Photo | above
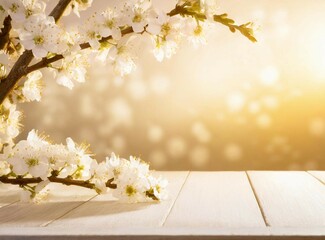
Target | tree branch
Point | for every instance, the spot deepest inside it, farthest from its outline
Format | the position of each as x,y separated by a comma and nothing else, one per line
178,10
4,34
46,61
244,29
66,181
19,69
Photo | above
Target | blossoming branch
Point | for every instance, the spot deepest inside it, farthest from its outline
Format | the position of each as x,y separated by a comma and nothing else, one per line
33,42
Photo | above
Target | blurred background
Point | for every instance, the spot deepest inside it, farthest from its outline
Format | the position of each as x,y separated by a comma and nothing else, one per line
228,105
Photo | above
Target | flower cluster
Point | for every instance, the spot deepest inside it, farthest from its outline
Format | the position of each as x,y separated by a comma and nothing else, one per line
33,42
36,162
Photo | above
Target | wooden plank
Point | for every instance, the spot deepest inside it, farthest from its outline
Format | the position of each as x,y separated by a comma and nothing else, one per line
105,212
62,199
216,199
148,231
8,194
290,199
320,175
163,233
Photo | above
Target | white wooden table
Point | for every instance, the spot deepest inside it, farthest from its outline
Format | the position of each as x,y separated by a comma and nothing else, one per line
216,205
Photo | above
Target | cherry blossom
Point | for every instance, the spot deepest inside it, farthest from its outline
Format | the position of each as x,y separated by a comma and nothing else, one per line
67,52
32,87
41,35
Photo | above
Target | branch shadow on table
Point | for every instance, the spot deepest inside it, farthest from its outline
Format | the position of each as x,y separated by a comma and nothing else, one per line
22,214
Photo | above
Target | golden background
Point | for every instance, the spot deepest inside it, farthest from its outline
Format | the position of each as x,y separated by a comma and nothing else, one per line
229,105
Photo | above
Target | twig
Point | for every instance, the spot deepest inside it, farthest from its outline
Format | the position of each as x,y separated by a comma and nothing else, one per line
4,34
19,69
244,29
46,61
66,181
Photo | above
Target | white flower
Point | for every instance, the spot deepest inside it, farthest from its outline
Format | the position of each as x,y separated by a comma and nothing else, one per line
58,155
138,14
100,185
15,8
164,25
141,166
82,159
35,140
90,32
4,168
32,86
38,195
131,188
21,10
195,32
9,122
73,68
164,49
131,177
41,35
167,30
109,24
102,171
209,7
157,188
77,6
41,192
114,165
123,63
28,157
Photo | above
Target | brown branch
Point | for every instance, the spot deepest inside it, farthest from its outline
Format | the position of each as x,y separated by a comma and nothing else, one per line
19,69
66,181
4,34
46,61
178,10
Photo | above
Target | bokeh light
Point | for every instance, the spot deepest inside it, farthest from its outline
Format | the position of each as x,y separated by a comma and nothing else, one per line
228,105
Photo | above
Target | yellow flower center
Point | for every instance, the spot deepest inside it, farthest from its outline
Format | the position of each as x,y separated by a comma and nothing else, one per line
137,18
91,34
31,162
130,190
198,31
38,40
109,23
165,28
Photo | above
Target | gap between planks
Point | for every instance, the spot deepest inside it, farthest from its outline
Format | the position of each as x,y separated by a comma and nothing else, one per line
9,204
49,222
180,190
257,200
315,176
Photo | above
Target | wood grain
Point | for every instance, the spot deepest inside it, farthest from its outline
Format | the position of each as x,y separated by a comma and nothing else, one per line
290,199
216,199
61,200
105,212
202,205
8,194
